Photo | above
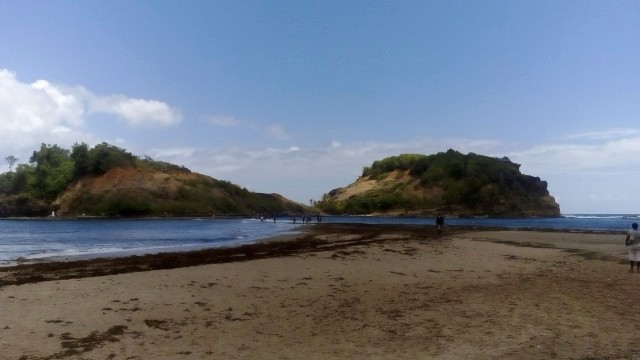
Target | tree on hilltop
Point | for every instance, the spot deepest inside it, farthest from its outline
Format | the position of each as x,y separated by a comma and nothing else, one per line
11,160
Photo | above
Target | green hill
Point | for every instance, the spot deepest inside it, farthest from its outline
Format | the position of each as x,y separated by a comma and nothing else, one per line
448,183
109,181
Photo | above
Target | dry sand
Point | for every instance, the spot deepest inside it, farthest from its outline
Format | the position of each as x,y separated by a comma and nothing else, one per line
341,292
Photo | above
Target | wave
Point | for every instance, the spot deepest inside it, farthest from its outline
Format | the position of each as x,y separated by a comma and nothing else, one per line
600,216
251,221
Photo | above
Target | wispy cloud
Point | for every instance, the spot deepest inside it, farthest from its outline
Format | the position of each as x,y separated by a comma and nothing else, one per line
225,121
277,132
337,164
603,134
604,155
292,169
176,153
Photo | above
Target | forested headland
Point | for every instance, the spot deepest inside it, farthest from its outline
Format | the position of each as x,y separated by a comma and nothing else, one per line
106,180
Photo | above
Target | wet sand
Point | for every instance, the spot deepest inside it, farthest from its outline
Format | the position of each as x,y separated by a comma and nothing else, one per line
336,292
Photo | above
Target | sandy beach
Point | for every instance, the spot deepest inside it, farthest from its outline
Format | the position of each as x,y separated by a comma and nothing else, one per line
336,292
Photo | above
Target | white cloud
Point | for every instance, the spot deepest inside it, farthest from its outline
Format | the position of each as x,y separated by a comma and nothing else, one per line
277,132
44,112
67,105
572,157
597,177
136,111
61,130
33,113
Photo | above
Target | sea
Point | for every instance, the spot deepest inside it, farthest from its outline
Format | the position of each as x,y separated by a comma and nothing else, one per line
58,239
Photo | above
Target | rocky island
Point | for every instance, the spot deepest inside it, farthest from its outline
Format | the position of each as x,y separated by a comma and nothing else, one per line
445,183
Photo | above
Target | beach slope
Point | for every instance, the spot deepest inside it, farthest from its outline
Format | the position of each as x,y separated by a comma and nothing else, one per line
336,292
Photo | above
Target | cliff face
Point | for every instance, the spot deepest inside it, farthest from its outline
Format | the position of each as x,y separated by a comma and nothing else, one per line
147,192
448,183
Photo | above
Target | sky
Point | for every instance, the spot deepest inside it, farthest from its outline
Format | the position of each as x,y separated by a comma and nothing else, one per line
296,97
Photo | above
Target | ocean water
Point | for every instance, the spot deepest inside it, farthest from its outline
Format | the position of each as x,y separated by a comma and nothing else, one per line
59,239
582,222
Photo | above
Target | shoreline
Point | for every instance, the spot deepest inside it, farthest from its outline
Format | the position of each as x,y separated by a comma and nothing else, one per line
137,253
100,264
337,291
275,246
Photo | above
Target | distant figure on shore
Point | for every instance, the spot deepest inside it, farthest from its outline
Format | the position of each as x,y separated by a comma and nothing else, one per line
319,218
440,223
633,245
294,219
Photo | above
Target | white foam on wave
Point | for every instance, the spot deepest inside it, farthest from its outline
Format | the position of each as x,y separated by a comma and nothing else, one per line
75,252
596,216
251,221
103,251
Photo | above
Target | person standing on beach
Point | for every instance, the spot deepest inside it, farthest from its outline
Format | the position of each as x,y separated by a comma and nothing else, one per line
440,223
633,245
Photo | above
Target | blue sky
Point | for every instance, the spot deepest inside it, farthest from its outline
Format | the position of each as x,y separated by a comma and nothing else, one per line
296,97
